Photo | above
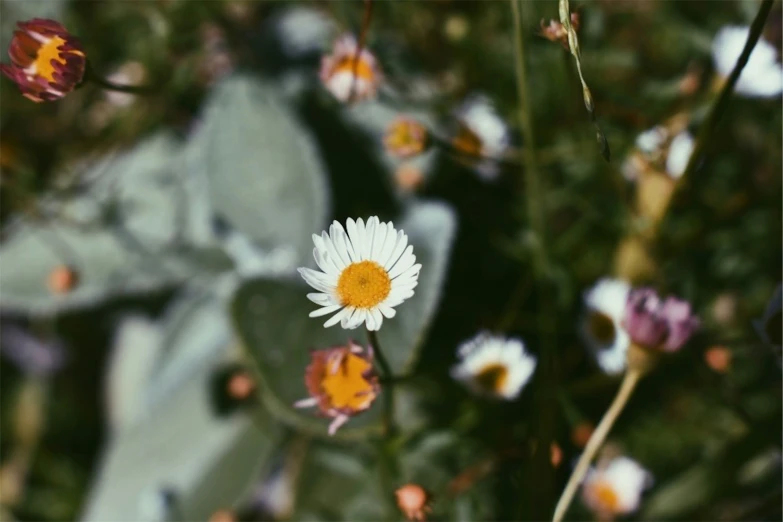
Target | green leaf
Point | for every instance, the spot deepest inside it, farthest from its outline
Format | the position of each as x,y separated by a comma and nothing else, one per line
209,462
265,175
123,235
271,317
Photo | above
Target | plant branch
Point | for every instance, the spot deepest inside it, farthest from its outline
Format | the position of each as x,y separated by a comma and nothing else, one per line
596,441
387,393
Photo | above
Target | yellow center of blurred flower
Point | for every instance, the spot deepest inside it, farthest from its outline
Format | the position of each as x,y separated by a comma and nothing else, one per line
364,69
46,53
467,141
363,285
492,378
405,137
345,384
606,496
601,327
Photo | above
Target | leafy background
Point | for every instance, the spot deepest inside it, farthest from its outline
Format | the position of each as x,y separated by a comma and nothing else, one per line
186,212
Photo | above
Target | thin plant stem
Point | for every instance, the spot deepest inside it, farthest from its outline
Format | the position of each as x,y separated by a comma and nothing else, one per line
596,441
388,390
366,19
720,105
535,210
91,76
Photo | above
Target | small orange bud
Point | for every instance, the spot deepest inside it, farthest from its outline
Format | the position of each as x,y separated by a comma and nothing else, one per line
556,454
241,385
718,358
581,434
414,501
222,515
408,177
62,279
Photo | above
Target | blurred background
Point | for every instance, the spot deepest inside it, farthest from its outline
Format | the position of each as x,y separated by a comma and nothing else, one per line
155,332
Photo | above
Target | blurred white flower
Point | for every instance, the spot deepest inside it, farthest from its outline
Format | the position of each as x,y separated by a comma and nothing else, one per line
494,366
615,488
347,70
602,324
481,133
680,151
303,30
365,273
651,140
762,76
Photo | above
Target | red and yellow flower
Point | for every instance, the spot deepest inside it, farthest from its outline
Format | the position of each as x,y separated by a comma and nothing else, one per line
47,62
341,381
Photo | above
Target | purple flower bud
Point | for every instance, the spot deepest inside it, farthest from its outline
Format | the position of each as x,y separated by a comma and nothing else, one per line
653,323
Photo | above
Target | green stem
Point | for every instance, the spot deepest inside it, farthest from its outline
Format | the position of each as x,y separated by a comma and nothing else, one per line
387,393
91,76
366,19
596,441
534,194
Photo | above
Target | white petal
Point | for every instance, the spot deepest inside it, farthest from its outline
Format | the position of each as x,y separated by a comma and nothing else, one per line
322,299
412,273
336,232
402,242
361,233
333,255
387,311
317,280
353,238
388,245
377,317
325,310
344,245
325,263
339,317
372,225
406,261
371,322
379,241
348,318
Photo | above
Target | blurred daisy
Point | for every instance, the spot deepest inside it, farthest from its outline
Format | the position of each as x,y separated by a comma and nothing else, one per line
615,488
762,76
602,324
365,273
680,151
481,133
494,366
652,140
405,137
47,62
341,382
347,70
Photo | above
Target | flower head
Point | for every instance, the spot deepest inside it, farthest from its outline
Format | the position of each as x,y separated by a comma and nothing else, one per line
660,149
365,273
615,488
494,366
762,76
46,61
414,501
658,324
405,138
602,327
347,70
555,32
680,150
341,382
481,133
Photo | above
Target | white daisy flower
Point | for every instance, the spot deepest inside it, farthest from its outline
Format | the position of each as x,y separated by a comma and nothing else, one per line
481,133
602,324
347,70
365,273
494,366
615,488
680,151
762,76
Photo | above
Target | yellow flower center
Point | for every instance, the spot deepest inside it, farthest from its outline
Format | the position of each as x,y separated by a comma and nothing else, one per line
606,496
345,384
46,53
405,135
363,285
601,327
363,68
492,378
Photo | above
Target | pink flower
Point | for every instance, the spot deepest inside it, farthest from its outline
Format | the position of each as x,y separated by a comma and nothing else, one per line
659,324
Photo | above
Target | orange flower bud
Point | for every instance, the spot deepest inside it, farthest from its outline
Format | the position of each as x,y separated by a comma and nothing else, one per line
414,501
62,279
